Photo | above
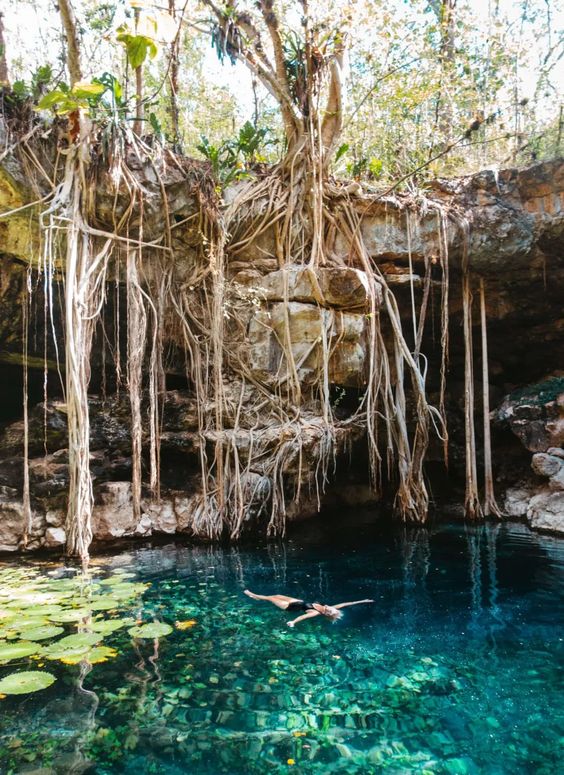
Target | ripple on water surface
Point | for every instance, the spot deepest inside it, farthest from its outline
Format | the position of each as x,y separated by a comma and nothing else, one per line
456,668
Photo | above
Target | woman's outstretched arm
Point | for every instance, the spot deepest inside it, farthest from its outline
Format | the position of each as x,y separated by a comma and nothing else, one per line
355,602
308,615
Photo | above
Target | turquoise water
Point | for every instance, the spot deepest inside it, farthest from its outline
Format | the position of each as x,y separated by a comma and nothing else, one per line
456,668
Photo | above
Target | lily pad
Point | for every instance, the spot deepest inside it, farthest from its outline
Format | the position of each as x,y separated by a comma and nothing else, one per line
29,622
150,630
26,682
78,640
94,656
43,610
42,633
31,599
17,650
104,603
126,590
72,615
106,626
72,646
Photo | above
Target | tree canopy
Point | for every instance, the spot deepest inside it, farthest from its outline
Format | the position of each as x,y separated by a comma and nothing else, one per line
448,86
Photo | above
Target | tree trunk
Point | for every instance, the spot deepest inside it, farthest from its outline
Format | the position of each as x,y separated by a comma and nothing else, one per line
4,77
443,111
173,83
73,48
138,123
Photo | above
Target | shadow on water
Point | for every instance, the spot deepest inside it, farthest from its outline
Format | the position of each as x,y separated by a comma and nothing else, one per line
456,668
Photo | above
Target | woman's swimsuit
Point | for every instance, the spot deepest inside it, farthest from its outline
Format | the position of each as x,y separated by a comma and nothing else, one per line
300,605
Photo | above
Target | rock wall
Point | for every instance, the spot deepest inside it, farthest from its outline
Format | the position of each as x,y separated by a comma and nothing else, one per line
513,226
535,415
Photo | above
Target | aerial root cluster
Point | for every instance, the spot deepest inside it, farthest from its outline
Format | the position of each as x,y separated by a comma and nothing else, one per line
240,482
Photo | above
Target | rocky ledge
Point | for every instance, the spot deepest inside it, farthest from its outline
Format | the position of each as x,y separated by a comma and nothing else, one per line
176,509
535,415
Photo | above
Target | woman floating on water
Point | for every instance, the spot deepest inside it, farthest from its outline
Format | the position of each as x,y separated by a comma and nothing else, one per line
286,603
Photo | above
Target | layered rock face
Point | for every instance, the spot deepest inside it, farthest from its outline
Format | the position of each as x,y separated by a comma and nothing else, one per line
307,313
176,511
536,416
293,320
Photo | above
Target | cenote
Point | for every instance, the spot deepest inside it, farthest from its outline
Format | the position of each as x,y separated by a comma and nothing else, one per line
456,668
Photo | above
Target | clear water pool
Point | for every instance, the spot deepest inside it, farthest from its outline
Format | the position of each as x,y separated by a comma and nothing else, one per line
457,667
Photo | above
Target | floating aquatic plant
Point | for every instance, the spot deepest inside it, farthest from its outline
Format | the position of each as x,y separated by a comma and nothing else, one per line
17,650
36,608
150,630
43,632
26,682
106,626
75,615
93,656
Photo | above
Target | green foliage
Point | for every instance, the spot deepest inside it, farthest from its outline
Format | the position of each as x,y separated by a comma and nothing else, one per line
101,17
366,167
64,100
40,79
112,90
102,95
232,159
221,161
249,141
341,151
137,47
25,595
295,65
156,126
43,632
225,37
17,650
20,91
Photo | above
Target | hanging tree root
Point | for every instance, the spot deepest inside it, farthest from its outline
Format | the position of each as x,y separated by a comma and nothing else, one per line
264,444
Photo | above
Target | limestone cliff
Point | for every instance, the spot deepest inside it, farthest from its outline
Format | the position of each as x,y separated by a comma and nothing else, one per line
280,317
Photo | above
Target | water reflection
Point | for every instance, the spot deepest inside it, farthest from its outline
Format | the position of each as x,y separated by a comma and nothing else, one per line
416,557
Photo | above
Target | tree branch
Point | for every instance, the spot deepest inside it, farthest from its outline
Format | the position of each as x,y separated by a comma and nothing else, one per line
271,21
332,124
255,58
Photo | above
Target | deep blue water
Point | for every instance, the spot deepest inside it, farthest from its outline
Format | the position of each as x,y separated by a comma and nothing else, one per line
456,668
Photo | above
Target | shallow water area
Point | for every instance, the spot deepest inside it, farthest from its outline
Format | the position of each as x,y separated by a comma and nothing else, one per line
456,668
